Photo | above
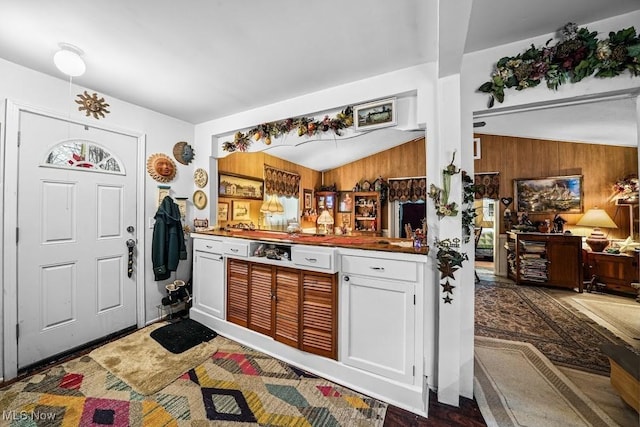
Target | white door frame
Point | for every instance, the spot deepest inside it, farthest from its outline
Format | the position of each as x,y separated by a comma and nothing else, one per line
8,231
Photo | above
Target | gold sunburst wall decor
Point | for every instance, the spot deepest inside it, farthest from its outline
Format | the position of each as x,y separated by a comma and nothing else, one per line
92,105
161,167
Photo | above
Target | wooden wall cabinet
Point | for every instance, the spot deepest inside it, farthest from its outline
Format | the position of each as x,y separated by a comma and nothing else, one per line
365,217
545,259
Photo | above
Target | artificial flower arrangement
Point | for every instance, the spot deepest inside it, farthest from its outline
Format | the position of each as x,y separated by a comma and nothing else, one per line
440,196
578,55
304,126
625,189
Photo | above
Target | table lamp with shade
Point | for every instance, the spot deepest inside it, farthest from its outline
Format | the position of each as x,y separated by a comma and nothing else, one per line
597,218
272,206
325,219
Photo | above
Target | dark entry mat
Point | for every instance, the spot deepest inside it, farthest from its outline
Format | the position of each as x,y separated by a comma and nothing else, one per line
181,336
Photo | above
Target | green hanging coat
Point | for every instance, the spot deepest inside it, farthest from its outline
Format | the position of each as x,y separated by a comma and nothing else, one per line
167,246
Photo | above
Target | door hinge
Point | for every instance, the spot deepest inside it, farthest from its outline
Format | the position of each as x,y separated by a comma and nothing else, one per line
17,234
414,370
19,134
414,299
17,331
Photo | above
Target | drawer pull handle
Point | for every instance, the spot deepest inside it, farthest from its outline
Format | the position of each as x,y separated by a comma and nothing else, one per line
311,259
208,246
377,268
234,250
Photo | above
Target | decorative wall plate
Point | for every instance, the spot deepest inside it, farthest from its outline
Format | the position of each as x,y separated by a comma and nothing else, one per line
200,177
161,167
199,199
183,152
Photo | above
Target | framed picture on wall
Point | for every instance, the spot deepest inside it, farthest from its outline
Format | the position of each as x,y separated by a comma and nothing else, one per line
552,194
308,198
374,115
241,210
223,211
240,187
345,204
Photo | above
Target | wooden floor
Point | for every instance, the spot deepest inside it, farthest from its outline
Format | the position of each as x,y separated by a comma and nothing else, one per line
440,415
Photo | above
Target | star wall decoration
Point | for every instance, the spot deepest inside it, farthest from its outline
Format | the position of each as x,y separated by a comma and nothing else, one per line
447,287
447,299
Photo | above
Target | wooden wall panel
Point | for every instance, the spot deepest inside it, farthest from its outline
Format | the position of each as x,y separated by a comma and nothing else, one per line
408,159
600,165
252,164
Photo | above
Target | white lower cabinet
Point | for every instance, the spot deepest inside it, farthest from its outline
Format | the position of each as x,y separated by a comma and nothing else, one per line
378,320
208,278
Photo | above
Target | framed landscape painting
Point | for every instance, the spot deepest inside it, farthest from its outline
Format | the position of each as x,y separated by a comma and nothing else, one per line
555,194
240,187
374,115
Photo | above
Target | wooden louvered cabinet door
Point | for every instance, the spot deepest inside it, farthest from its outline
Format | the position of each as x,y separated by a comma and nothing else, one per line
260,297
237,291
319,314
286,319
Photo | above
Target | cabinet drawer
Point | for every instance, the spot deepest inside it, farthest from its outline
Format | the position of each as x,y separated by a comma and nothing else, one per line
239,249
204,245
380,268
313,257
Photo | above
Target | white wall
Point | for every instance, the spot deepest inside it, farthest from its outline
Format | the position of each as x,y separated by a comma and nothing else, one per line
478,67
28,87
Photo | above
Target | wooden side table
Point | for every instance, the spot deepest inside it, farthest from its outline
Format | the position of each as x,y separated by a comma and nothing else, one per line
617,271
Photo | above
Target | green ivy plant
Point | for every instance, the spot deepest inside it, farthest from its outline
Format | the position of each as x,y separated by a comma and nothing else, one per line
578,55
468,213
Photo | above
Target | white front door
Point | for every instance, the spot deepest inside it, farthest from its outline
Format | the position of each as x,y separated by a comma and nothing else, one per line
76,200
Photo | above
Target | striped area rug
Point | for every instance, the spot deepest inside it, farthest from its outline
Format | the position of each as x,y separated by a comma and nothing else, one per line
516,385
236,386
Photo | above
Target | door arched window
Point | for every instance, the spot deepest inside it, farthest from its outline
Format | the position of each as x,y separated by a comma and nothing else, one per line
84,155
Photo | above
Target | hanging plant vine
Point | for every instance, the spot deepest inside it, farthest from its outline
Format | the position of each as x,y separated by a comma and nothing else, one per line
440,196
449,261
578,55
305,126
468,213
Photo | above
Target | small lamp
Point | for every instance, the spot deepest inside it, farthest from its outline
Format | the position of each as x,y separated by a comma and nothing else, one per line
597,218
325,219
272,206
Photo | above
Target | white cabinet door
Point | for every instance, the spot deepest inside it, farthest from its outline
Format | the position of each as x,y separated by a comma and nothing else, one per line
208,283
377,321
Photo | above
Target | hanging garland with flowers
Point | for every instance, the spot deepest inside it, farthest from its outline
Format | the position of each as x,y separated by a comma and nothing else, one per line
578,55
305,126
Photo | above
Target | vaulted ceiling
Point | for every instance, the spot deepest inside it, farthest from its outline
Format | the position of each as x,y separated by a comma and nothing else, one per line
204,59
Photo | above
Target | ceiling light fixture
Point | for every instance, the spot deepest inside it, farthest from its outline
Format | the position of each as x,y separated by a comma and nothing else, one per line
69,60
